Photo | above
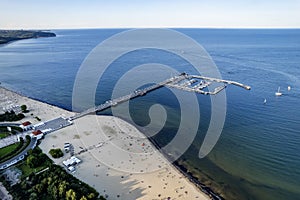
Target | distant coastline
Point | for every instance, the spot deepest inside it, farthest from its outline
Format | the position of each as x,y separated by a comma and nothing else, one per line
7,36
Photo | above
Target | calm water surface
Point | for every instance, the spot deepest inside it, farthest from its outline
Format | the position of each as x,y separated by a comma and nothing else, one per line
257,156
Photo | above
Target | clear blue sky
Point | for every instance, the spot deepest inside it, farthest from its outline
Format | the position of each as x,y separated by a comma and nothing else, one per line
17,14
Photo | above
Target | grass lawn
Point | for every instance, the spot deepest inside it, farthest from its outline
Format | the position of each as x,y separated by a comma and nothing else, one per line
10,151
5,150
4,134
3,128
26,170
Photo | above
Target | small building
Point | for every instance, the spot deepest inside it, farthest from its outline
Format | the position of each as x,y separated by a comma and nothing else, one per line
38,134
71,161
26,126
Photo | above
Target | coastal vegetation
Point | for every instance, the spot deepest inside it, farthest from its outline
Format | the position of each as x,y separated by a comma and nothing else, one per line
41,179
13,35
56,153
11,116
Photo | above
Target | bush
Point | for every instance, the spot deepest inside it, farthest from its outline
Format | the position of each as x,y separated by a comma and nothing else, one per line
28,138
56,153
36,158
11,116
19,129
24,108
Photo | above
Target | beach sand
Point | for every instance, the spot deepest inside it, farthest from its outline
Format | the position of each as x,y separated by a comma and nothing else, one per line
117,159
36,108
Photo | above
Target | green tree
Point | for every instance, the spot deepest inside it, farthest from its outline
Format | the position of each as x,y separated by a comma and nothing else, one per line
52,191
44,183
56,153
23,108
49,179
83,198
39,188
19,117
70,195
32,161
33,196
91,196
27,137
62,188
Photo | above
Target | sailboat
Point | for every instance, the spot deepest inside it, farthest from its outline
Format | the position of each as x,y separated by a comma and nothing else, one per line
278,93
265,101
289,88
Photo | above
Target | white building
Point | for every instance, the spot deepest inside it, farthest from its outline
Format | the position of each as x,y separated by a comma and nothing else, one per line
26,126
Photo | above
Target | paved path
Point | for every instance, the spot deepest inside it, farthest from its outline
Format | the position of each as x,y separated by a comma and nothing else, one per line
50,126
20,156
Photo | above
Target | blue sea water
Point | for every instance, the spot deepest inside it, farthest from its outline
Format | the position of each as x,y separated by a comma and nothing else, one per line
257,156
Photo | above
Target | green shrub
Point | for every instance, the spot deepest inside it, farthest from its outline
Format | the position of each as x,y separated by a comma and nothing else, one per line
24,108
11,116
56,153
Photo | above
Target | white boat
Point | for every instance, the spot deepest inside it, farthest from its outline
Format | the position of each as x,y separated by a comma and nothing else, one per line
265,101
278,93
289,88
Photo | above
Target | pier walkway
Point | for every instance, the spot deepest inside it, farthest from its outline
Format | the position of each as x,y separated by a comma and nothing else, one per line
183,82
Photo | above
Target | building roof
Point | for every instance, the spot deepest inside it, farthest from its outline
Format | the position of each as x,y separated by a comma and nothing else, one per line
27,123
37,132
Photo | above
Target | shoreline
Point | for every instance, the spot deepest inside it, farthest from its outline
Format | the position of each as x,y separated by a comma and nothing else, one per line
5,87
181,169
191,180
8,36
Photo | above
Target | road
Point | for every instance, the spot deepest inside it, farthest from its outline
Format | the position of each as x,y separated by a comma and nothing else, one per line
20,156
53,125
47,127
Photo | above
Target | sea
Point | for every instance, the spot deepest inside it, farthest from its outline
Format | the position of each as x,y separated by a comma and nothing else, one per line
257,155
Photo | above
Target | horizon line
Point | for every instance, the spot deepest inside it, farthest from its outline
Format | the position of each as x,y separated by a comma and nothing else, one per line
191,27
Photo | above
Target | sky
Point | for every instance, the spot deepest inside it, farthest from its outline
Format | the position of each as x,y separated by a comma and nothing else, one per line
65,14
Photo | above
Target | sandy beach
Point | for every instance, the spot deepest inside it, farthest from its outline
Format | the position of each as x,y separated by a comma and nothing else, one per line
117,159
36,108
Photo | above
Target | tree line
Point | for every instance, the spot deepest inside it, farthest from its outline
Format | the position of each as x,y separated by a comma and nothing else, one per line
11,116
53,184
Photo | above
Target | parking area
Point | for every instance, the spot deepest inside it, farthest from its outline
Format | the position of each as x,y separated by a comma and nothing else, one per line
53,124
